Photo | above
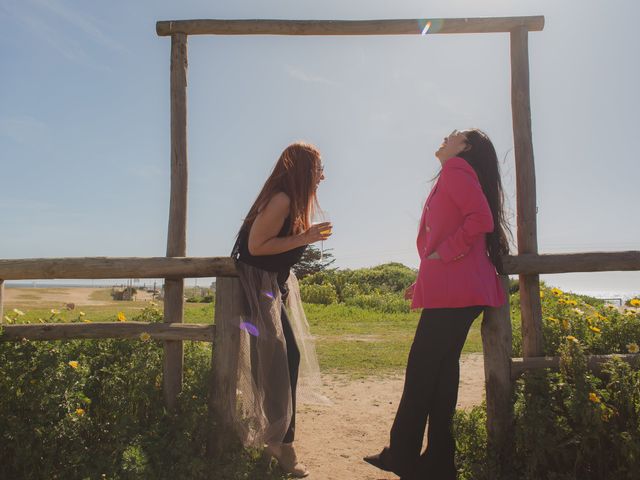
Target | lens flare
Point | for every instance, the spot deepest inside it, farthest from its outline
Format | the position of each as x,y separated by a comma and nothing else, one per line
268,294
426,25
250,328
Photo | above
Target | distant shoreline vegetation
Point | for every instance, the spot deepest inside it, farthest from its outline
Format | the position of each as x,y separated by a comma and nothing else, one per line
599,294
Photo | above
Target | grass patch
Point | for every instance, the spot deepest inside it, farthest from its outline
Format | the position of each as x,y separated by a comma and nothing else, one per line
360,342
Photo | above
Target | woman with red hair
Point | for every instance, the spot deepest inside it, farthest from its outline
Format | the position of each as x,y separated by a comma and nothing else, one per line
277,363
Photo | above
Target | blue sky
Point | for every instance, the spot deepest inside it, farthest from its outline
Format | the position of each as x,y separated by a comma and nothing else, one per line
84,124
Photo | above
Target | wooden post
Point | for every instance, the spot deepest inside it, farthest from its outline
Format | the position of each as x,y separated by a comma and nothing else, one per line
1,301
224,361
531,309
177,234
497,348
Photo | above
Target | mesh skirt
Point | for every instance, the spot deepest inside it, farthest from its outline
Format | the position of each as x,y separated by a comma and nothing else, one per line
262,407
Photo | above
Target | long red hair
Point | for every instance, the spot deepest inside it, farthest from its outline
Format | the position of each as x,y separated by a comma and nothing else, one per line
296,174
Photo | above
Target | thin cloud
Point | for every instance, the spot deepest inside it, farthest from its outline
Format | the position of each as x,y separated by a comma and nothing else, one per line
44,19
82,22
298,74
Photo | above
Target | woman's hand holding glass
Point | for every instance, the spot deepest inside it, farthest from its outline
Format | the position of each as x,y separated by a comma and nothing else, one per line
318,232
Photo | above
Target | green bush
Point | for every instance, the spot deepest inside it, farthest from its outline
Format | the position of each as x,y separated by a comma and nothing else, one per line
94,409
569,424
380,302
323,294
386,278
601,328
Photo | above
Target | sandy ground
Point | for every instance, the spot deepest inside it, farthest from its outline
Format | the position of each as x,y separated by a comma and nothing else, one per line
331,440
59,296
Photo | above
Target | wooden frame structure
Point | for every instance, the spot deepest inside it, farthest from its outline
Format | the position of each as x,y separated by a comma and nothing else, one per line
500,367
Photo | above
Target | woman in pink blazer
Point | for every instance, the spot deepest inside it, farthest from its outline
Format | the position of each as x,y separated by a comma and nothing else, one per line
461,238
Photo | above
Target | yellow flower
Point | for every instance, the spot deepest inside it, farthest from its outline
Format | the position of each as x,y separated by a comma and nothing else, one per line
54,311
554,320
541,294
630,313
8,319
594,398
81,314
573,339
602,317
633,347
73,364
86,320
556,291
79,411
594,329
122,317
144,336
573,303
562,300
610,306
565,324
634,302
20,313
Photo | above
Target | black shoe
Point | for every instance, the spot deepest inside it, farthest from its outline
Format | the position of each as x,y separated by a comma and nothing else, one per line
380,460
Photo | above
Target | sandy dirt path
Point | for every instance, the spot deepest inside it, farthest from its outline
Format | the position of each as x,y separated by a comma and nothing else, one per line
58,296
331,440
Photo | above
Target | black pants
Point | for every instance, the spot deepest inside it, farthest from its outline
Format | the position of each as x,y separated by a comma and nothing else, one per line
293,360
430,392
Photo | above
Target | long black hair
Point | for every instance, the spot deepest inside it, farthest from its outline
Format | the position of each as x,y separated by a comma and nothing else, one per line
481,155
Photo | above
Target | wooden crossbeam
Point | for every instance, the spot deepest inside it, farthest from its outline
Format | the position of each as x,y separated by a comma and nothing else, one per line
349,27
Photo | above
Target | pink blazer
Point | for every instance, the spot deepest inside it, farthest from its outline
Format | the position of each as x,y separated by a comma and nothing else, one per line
454,223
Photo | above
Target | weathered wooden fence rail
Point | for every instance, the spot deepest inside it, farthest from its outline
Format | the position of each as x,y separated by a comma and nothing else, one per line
116,267
195,267
97,330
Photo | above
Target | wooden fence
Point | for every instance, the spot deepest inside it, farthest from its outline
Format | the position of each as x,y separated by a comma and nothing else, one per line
500,368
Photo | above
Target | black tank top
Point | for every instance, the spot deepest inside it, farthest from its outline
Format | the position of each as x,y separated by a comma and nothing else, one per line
280,262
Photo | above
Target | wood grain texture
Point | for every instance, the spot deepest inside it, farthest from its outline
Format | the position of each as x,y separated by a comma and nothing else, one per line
224,361
497,348
530,306
1,302
594,362
101,330
116,267
531,263
347,27
177,232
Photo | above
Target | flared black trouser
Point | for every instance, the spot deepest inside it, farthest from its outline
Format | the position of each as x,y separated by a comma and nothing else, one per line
293,361
430,393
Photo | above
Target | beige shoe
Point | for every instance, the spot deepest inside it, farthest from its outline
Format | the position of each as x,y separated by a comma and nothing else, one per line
287,459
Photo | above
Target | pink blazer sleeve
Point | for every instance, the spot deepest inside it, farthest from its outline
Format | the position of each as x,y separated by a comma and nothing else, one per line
460,183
